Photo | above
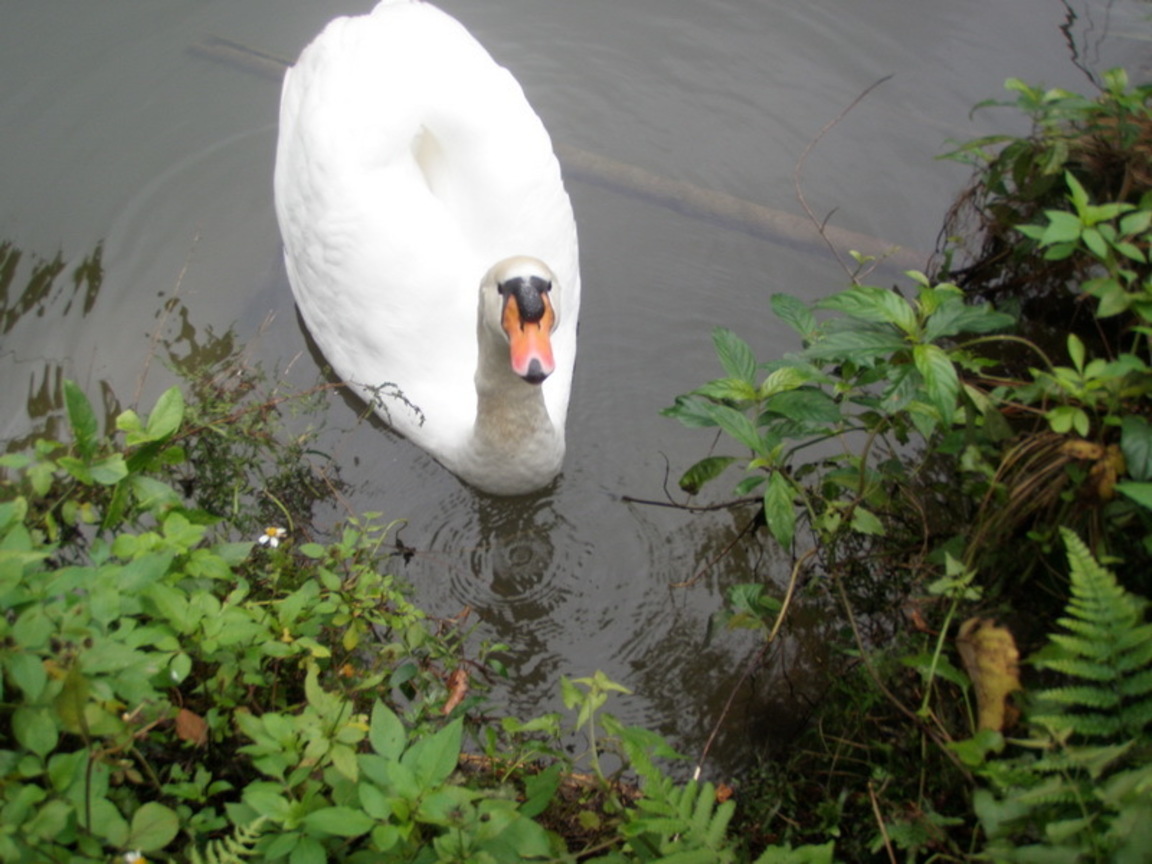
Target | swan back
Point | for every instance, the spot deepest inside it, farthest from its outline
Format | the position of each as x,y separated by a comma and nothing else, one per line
408,164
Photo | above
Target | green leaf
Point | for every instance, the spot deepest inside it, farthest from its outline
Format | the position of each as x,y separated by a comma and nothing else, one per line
109,470
540,788
809,405
708,468
153,827
81,418
35,730
940,379
1141,493
735,355
1136,444
166,416
795,313
339,821
1063,227
728,390
866,522
879,305
736,424
27,673
386,732
433,759
858,346
780,509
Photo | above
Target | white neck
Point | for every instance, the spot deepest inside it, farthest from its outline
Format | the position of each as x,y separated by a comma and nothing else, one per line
515,447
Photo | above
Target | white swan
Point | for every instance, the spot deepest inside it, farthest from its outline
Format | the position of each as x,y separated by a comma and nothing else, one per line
429,240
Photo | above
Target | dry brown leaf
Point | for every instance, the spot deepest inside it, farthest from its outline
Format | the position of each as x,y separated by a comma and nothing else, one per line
990,657
457,690
190,726
723,792
1078,448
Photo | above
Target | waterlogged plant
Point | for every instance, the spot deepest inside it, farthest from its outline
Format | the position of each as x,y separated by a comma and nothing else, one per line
882,370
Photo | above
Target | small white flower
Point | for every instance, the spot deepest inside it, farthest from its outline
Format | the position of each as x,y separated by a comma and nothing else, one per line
272,536
134,858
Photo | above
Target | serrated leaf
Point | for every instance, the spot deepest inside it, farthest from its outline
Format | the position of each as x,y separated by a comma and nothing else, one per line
81,419
940,379
735,355
878,305
780,509
795,313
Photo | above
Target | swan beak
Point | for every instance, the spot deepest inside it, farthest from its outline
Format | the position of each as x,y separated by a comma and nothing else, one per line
530,341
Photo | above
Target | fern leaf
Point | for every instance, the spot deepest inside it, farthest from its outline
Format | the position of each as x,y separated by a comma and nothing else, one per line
702,811
1100,698
1078,668
718,828
230,850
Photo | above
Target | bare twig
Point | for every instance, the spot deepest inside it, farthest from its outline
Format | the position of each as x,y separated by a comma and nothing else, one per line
798,171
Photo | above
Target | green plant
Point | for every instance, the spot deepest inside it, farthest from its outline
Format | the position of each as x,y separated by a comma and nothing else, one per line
885,369
1080,791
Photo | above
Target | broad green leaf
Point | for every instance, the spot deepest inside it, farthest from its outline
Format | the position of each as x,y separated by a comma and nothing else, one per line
1136,444
153,827
795,313
728,389
735,423
879,305
307,850
808,405
339,821
386,732
81,418
735,355
166,416
109,470
1063,227
35,730
866,522
26,671
780,509
1141,493
708,468
434,758
859,346
940,379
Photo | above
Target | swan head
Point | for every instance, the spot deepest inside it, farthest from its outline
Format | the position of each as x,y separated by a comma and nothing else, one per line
519,303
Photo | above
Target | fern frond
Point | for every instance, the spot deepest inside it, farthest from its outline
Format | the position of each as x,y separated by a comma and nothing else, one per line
1108,648
230,850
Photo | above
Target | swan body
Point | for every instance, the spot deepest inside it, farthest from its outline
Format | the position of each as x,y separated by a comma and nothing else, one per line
430,242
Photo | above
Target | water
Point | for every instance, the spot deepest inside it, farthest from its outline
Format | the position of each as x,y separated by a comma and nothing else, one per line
119,136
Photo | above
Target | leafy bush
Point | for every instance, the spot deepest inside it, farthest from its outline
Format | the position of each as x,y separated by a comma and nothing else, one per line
171,693
927,461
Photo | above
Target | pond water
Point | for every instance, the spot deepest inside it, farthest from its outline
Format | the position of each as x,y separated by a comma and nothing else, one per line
121,135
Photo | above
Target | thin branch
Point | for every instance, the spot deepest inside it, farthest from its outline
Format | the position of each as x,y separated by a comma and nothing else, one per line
798,172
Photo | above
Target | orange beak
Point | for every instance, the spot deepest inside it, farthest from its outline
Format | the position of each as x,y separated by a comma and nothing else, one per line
531,342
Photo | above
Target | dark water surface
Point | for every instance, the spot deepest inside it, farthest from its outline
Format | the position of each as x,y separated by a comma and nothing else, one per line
119,136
